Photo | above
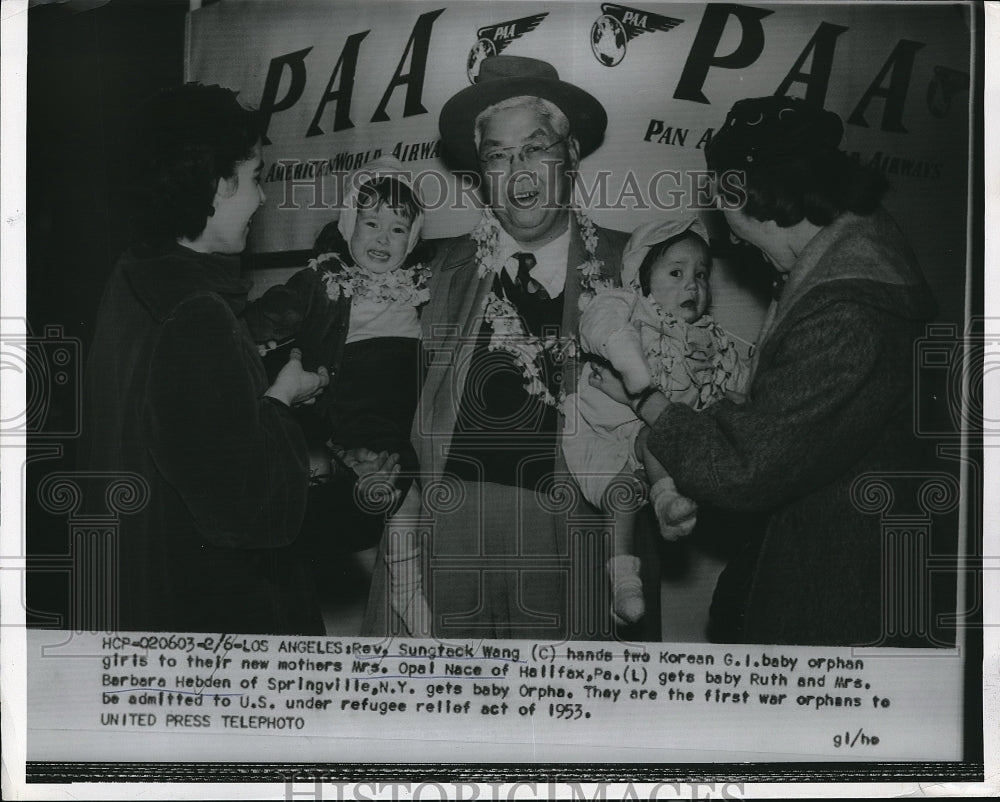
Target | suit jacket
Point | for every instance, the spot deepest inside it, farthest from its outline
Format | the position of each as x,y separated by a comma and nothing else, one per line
451,323
453,318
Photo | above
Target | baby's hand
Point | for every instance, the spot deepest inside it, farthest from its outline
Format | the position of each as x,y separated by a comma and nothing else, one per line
624,351
608,382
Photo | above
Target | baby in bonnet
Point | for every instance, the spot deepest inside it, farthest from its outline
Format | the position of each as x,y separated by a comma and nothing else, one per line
657,326
355,311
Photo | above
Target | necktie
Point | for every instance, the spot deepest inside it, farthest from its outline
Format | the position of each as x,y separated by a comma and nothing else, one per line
525,283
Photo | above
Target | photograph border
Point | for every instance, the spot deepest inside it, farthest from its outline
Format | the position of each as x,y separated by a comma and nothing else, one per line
971,769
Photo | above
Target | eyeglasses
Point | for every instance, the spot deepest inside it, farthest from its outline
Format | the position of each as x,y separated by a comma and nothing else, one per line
532,153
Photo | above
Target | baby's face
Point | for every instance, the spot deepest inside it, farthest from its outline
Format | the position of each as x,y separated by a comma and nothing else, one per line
379,241
678,281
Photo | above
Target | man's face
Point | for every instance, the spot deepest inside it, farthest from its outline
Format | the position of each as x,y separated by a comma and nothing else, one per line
524,166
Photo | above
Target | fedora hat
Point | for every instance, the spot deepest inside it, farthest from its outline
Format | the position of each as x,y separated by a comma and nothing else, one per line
503,77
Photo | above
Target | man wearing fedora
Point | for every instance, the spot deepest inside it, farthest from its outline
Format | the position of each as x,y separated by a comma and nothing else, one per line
515,551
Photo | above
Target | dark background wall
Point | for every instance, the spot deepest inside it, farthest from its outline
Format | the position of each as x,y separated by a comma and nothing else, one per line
86,71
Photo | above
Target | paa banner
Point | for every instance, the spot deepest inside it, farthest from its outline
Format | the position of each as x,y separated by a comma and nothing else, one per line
340,83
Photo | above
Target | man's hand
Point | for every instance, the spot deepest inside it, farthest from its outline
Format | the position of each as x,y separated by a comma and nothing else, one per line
377,473
364,461
294,385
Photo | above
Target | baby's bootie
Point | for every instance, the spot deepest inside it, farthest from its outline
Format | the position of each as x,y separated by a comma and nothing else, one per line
406,590
627,604
676,514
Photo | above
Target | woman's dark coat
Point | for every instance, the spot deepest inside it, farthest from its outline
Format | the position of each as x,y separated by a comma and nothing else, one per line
174,393
830,407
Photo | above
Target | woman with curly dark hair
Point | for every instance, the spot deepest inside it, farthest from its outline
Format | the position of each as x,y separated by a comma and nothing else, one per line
831,385
176,393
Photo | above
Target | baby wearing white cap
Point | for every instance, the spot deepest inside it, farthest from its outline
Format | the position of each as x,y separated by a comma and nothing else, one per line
655,328
355,310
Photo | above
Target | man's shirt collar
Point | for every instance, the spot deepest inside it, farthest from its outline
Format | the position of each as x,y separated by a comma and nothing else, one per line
550,260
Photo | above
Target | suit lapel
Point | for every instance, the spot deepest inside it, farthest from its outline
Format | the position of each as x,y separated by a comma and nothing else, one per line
452,344
575,257
571,308
464,296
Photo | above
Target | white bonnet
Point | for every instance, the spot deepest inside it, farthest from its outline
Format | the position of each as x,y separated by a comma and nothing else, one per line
649,234
382,167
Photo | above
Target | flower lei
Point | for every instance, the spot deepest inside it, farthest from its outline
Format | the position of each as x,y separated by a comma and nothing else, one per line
404,285
509,335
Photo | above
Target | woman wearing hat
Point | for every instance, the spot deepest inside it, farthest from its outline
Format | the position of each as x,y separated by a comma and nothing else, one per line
831,387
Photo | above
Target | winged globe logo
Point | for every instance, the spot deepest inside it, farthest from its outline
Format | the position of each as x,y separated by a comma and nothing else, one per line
619,25
493,40
944,86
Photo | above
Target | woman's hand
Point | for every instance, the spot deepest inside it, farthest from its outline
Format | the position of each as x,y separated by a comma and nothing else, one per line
609,382
294,385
